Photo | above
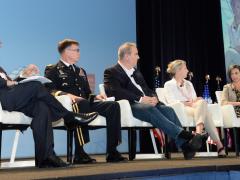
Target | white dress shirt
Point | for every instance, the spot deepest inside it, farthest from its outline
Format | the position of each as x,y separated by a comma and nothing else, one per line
129,73
176,93
67,64
3,75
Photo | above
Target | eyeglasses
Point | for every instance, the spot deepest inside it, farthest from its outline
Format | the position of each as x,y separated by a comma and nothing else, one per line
75,50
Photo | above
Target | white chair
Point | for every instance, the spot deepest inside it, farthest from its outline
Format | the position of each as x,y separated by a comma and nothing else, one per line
17,120
188,121
130,123
230,120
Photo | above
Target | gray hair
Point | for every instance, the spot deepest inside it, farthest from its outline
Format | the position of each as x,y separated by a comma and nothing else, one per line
124,49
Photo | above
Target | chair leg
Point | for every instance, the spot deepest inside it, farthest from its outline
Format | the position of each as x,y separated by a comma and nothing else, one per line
14,148
0,144
131,143
225,140
167,148
236,139
69,145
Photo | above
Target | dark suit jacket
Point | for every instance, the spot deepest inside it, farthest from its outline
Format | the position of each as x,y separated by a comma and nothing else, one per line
3,82
66,80
119,85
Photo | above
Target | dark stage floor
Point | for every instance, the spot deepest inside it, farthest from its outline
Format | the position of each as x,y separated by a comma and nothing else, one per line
136,168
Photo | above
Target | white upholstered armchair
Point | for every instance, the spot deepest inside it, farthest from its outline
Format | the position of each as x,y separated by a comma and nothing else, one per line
19,121
188,121
230,120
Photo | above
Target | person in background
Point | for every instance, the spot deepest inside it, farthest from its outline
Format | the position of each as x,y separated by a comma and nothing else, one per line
178,89
30,70
231,91
32,99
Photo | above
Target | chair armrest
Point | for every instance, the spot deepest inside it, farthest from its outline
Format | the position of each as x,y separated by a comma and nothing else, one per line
102,89
126,112
229,117
181,114
66,101
127,118
1,112
216,114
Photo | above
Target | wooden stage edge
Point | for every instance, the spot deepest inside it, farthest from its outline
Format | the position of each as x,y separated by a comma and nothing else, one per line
130,169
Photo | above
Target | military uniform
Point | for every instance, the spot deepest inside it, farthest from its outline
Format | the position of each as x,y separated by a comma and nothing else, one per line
72,79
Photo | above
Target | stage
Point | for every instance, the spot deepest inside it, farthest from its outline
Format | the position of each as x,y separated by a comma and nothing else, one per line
131,169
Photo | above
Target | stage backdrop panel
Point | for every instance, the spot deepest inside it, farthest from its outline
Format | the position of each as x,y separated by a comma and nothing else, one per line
30,30
231,31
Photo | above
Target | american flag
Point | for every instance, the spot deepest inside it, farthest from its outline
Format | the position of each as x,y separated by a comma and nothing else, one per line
158,133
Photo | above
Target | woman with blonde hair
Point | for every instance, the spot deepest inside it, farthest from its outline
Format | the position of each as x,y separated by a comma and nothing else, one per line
178,89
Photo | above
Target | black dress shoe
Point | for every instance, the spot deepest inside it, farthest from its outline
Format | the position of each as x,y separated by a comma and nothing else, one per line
79,119
83,160
195,143
186,135
189,154
52,162
204,136
115,157
85,118
189,148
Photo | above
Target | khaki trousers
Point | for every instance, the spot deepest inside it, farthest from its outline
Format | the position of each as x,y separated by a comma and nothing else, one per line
201,114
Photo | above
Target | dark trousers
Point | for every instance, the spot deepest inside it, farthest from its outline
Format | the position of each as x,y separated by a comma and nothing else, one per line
81,134
34,100
111,111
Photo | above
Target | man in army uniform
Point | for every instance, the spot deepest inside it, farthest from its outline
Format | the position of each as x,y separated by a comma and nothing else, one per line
72,80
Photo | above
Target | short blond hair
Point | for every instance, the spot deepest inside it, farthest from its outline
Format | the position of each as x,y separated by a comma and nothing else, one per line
174,66
125,48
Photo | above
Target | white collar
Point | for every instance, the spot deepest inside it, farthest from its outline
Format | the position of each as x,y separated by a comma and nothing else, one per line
64,62
184,82
129,72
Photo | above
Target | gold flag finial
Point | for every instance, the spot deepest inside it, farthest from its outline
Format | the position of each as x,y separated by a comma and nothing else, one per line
190,75
218,79
157,70
207,77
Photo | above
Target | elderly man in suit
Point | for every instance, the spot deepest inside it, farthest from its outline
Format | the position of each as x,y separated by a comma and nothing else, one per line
124,81
32,99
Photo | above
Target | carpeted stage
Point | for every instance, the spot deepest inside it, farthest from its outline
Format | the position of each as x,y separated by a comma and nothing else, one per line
130,169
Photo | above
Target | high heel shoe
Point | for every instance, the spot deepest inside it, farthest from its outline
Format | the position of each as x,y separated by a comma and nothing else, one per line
221,153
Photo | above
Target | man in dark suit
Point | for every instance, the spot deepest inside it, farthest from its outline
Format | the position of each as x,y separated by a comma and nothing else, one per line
72,80
123,81
32,99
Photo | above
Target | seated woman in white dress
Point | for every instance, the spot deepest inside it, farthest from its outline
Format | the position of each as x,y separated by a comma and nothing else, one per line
178,89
